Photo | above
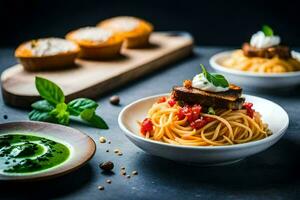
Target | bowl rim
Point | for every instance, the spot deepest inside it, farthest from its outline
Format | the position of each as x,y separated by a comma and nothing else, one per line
217,66
66,167
128,133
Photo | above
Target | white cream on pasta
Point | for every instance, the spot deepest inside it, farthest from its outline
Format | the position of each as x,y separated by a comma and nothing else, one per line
200,82
260,40
295,55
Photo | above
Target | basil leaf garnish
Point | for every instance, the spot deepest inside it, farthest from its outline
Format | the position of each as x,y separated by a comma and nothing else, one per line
38,115
61,113
87,114
43,105
211,111
214,78
54,109
97,122
267,30
49,90
77,106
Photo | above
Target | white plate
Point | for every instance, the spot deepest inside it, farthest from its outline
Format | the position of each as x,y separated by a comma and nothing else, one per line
250,79
203,155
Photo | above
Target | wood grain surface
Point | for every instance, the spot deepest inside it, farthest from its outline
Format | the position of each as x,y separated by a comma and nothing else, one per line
93,78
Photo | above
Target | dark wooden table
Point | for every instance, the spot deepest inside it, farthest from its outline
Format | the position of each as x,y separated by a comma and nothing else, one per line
272,174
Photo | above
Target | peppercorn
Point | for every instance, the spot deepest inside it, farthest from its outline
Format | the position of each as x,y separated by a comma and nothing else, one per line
114,100
107,166
100,187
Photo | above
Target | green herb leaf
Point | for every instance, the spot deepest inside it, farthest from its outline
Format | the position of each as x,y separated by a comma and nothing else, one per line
37,115
90,116
211,111
97,122
61,113
49,90
214,78
43,105
77,106
53,109
87,114
267,30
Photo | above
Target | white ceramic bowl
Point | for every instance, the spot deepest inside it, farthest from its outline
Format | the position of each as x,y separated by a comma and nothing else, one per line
203,155
251,79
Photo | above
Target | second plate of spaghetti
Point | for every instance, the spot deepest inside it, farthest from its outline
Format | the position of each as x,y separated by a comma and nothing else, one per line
203,126
261,62
253,79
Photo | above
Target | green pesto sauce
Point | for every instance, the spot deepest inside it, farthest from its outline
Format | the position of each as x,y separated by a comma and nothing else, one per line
22,153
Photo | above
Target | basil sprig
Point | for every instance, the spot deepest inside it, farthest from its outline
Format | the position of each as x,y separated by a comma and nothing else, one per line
54,109
214,78
211,111
267,30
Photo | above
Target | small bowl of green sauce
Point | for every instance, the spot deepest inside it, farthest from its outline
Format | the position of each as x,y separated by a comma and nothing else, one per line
38,150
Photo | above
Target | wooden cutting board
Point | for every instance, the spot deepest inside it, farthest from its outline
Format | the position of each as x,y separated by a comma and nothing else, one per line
93,78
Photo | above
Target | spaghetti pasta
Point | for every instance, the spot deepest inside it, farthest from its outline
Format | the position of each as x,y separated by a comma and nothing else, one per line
239,61
225,127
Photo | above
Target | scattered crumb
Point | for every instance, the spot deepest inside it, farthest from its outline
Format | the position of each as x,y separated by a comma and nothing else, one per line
123,168
102,139
100,187
134,173
107,150
123,172
128,176
108,181
120,154
109,142
187,84
117,150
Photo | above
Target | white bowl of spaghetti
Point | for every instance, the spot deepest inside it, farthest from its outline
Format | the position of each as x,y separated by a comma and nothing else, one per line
182,150
234,66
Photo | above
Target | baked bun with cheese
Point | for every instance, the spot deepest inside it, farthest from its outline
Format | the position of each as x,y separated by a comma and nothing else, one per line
47,54
96,43
134,31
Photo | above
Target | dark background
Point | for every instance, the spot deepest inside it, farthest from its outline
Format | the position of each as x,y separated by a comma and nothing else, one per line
211,22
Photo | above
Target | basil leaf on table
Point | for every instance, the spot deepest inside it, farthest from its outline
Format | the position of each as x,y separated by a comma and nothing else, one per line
87,114
77,106
61,113
267,30
96,121
49,90
90,116
214,78
43,105
54,109
37,115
